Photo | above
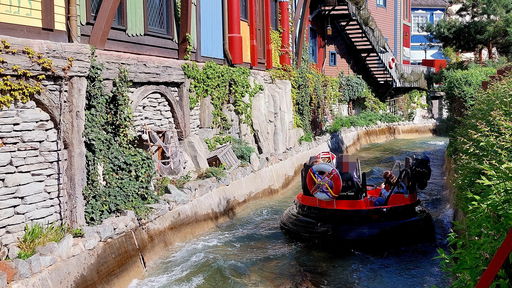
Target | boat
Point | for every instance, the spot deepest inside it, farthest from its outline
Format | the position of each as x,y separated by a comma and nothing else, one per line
336,203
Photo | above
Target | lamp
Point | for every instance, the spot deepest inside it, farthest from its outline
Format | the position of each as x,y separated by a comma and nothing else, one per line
328,29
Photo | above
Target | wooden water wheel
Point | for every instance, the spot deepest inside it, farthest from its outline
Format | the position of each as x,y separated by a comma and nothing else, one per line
168,157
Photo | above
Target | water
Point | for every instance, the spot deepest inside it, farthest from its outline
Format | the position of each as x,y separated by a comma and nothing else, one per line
251,250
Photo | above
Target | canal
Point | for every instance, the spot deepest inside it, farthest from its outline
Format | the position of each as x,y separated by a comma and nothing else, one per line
251,251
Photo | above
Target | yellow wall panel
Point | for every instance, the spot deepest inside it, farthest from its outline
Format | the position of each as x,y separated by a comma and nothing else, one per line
60,18
22,12
60,26
60,11
246,41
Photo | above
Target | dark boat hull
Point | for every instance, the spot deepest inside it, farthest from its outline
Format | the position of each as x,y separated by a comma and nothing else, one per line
406,224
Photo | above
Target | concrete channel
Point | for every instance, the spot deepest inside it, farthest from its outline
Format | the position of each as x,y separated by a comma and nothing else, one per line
116,262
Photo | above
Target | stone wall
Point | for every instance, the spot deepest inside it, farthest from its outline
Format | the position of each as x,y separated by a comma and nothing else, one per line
42,161
153,112
32,161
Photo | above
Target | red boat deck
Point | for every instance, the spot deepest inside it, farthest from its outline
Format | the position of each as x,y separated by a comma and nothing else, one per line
363,204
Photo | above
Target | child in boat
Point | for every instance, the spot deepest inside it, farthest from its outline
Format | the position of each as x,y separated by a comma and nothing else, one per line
390,180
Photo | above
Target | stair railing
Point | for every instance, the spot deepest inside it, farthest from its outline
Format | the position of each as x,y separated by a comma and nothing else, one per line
376,38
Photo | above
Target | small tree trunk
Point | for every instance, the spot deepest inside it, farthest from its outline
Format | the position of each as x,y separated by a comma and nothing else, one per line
481,55
489,50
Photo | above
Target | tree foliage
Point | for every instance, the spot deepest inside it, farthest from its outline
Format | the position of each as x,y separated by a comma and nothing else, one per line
481,148
462,87
480,24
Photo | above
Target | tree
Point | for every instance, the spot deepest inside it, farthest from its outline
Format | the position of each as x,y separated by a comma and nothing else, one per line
480,24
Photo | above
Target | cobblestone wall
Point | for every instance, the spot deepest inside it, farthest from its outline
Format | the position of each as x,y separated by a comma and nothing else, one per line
153,112
29,170
194,120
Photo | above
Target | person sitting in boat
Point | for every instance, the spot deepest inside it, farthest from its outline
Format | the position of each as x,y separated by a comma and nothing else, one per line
391,182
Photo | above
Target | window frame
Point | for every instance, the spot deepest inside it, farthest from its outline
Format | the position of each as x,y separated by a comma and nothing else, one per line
170,20
381,3
313,49
331,58
91,18
244,13
436,16
274,15
407,9
414,25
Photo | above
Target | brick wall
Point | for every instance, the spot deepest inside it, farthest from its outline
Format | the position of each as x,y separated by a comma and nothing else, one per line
385,18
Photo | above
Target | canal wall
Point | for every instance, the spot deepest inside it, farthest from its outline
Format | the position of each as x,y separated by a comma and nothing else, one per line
42,150
114,253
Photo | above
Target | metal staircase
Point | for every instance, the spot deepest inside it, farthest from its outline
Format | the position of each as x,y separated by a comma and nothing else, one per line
360,30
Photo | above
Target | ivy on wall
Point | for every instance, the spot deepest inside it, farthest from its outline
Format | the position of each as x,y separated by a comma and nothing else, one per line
225,85
22,84
118,173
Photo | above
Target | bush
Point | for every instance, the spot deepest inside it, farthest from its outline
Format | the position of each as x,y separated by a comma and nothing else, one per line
482,153
462,87
307,137
352,87
364,119
38,235
217,172
241,148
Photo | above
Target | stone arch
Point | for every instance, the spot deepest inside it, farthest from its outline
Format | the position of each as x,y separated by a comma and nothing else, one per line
176,110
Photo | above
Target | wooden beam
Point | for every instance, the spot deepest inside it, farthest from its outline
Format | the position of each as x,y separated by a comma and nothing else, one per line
302,31
101,28
185,27
298,12
48,14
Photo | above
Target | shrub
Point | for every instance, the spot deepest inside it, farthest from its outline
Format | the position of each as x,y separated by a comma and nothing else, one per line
366,118
241,148
408,103
38,235
217,172
307,137
352,87
463,86
482,153
181,181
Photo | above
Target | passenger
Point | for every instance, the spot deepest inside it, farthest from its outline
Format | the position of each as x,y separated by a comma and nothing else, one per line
390,181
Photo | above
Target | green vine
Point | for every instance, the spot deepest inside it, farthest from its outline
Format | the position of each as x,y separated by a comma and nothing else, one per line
275,37
190,48
408,103
118,174
225,85
23,84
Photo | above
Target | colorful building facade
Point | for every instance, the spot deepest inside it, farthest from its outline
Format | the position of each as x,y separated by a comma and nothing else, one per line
226,31
422,44
36,19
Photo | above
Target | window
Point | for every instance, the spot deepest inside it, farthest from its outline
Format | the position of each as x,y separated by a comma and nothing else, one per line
419,21
313,47
332,58
438,15
381,3
243,10
157,16
118,18
274,14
